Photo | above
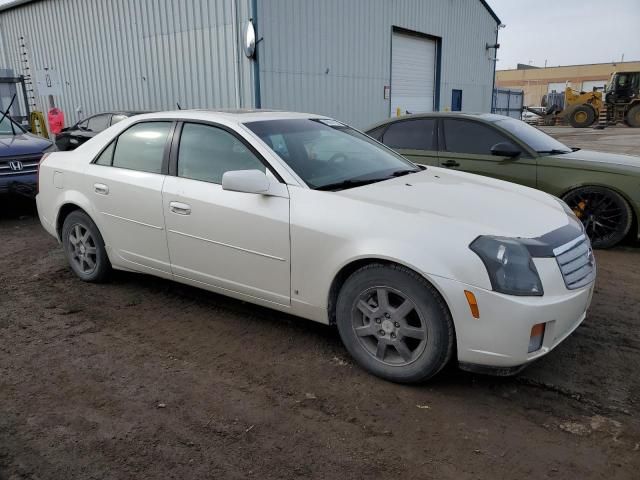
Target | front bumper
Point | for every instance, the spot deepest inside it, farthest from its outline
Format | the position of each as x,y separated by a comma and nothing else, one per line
24,184
500,337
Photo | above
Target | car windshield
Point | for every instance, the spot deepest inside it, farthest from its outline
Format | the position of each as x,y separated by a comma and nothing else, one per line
6,127
535,138
328,155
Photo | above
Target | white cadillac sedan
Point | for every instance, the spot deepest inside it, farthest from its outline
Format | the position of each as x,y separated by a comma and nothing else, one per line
308,216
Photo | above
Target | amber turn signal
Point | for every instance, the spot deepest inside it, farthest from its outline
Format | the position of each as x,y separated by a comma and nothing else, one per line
537,336
473,303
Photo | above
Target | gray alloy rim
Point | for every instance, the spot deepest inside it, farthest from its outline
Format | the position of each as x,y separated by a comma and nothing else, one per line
82,248
389,326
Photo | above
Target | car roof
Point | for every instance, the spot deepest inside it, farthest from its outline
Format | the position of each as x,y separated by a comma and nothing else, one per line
487,117
232,115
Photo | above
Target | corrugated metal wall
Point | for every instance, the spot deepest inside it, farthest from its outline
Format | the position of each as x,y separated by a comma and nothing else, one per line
334,56
133,54
321,56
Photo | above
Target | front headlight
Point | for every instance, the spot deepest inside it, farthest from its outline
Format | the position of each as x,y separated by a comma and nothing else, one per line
509,265
51,148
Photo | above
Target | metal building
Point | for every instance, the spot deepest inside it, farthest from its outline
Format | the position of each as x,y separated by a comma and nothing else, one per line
356,60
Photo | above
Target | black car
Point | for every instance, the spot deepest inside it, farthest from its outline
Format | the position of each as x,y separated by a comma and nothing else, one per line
72,137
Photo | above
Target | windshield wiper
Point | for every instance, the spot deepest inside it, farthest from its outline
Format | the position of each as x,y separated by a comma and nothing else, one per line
553,151
351,183
401,173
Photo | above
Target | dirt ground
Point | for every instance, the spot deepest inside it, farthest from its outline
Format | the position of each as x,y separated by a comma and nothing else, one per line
145,378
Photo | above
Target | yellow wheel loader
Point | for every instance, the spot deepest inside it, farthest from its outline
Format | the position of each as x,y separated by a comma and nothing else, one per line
582,109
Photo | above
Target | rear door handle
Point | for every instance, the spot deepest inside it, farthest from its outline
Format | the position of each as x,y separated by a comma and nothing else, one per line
101,188
180,208
450,163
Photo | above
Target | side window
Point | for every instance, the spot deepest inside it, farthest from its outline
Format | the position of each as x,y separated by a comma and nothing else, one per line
106,157
141,147
206,153
411,134
462,136
117,118
377,133
99,122
83,125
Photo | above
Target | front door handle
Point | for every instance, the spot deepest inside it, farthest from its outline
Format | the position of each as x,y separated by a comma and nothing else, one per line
101,188
180,208
450,163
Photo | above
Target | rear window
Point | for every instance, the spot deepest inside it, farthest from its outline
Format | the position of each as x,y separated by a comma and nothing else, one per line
141,147
410,134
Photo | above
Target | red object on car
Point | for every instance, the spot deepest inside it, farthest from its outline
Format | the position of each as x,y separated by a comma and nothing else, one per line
56,120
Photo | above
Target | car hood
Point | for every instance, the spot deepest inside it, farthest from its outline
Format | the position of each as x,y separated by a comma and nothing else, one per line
22,144
486,205
600,160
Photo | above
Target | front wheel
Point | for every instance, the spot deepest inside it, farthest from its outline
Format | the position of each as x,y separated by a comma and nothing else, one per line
605,214
84,248
633,116
582,116
394,323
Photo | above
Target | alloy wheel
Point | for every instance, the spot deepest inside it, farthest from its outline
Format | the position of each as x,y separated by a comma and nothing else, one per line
600,213
389,326
82,249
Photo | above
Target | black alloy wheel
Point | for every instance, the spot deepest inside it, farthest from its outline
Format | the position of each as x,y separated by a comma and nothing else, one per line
605,214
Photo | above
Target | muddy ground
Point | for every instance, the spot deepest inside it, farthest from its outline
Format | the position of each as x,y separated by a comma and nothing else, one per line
145,378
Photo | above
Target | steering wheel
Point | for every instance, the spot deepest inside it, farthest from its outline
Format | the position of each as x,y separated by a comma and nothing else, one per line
337,158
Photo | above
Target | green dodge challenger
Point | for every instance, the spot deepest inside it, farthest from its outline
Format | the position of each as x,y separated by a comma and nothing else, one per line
603,189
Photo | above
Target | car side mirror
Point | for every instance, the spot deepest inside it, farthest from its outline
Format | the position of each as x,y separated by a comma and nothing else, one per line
505,149
247,181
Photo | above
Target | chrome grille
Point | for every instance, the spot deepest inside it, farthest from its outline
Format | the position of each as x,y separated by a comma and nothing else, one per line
29,164
576,262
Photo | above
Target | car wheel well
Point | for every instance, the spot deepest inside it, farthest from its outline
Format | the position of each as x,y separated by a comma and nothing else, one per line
350,268
63,213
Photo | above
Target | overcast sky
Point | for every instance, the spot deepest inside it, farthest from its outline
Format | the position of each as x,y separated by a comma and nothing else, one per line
567,32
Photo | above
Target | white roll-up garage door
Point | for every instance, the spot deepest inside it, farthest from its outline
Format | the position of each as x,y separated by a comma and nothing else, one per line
413,72
588,86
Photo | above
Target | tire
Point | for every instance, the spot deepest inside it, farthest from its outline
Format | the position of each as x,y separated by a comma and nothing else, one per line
418,336
582,116
633,116
84,248
605,214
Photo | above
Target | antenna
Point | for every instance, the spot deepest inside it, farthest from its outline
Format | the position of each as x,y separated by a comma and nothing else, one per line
179,107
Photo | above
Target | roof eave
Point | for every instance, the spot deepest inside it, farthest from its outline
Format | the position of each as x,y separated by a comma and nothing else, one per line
491,12
13,4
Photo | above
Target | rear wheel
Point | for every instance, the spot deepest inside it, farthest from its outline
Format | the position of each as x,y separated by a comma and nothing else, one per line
605,214
582,116
394,323
633,116
84,248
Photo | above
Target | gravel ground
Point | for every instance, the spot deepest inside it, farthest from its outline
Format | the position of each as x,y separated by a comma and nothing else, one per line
145,378
618,139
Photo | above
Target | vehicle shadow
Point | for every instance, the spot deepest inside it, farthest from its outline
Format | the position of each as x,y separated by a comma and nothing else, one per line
318,337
